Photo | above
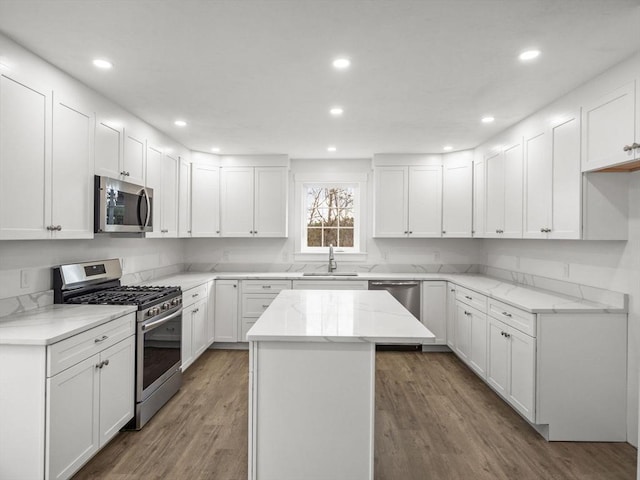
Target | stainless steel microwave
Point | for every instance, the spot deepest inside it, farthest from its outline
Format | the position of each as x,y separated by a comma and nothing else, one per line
122,207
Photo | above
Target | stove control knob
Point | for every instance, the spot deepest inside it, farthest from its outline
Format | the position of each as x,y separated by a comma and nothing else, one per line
166,306
174,302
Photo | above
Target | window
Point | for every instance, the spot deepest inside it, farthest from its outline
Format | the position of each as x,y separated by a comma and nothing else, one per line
331,217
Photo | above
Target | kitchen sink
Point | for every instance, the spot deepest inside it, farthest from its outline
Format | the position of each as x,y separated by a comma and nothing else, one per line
332,274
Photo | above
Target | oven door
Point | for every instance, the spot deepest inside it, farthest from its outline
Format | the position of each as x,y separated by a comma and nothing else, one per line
158,352
122,206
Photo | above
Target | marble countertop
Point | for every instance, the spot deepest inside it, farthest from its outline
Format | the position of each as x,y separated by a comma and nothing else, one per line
372,316
526,298
53,323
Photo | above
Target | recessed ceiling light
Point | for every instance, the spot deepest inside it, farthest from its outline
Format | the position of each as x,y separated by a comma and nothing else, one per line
180,123
331,148
215,149
341,63
529,55
487,119
336,111
102,63
447,148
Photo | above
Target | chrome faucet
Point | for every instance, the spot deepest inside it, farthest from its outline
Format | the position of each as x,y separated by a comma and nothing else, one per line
332,262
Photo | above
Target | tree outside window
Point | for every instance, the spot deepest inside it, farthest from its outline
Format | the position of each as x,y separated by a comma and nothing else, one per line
330,216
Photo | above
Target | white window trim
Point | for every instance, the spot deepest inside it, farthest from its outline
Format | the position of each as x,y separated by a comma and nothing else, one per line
358,180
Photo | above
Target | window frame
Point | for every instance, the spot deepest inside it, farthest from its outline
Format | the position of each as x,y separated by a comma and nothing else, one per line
357,218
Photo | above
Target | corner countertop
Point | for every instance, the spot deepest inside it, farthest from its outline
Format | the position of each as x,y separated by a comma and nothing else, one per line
53,323
526,298
372,316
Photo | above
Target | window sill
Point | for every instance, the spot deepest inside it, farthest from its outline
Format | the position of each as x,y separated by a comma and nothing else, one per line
322,257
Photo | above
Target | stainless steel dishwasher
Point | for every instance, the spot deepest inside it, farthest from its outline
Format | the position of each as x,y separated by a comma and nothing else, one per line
407,292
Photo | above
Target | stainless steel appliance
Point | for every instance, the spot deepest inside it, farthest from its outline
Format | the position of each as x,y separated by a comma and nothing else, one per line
122,207
158,327
408,294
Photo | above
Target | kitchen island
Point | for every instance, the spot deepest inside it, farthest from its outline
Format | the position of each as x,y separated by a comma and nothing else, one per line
312,381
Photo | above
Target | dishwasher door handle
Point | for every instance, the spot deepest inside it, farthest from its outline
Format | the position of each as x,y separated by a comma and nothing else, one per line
394,284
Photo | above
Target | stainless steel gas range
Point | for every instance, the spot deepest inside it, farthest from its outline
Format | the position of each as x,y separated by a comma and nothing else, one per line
158,332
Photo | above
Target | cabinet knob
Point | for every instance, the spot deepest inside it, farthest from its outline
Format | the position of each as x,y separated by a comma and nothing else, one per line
444,232
406,231
410,232
468,297
217,231
507,335
58,227
50,227
467,313
627,148
507,314
635,145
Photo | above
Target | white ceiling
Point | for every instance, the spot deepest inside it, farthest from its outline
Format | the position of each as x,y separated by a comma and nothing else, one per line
255,76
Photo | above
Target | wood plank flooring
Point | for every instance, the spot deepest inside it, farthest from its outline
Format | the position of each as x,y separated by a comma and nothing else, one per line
434,420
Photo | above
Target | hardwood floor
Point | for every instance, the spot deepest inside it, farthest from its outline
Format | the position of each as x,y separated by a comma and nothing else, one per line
434,420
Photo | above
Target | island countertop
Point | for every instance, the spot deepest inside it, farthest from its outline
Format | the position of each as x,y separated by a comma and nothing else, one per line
372,316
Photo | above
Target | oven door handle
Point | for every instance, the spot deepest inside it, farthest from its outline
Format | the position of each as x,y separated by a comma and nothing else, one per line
150,326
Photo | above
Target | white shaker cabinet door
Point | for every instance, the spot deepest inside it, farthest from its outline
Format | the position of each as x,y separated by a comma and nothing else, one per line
513,181
537,185
434,309
566,209
425,201
72,170
609,124
72,418
170,195
117,396
391,197
25,160
205,201
463,331
184,199
236,201
478,353
495,201
199,328
134,163
270,213
522,373
457,200
479,198
226,317
498,357
108,149
154,181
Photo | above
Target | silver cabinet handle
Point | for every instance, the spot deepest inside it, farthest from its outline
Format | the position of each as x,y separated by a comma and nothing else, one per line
265,306
266,286
467,313
58,227
507,314
444,232
196,310
507,335
410,232
101,339
106,362
50,227
628,148
635,145
195,295
468,297
406,231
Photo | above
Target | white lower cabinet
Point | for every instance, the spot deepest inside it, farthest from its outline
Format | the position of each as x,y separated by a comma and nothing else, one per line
471,329
195,328
257,295
87,405
434,309
226,308
451,315
66,401
511,366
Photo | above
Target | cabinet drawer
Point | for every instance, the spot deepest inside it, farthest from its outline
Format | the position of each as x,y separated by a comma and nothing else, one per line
193,295
471,298
253,304
265,286
514,317
70,351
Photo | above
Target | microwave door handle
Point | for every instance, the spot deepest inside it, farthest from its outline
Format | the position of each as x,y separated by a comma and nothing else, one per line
148,217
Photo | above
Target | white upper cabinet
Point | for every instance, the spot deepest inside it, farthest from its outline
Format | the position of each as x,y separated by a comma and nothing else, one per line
25,160
72,172
205,201
610,130
162,177
108,149
552,200
457,196
134,165
425,201
504,192
253,201
408,201
391,201
479,198
46,164
270,215
184,199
